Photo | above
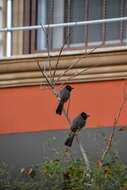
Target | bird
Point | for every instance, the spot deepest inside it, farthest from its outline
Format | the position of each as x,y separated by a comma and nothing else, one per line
64,95
77,124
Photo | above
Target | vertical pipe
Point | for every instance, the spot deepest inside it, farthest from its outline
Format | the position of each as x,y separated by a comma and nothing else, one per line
9,24
41,45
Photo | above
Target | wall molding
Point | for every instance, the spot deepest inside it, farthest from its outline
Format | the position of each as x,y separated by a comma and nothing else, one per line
23,70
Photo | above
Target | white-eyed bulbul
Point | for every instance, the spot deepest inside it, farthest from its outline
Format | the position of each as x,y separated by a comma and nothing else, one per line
64,96
77,124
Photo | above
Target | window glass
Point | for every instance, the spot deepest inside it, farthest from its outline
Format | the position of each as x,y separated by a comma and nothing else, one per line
113,29
95,12
61,11
125,22
77,13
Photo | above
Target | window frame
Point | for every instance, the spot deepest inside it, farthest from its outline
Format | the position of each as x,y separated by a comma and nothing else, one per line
30,37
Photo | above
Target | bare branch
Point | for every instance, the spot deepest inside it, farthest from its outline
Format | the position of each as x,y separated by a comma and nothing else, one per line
68,106
54,91
43,74
57,63
48,49
76,62
78,73
116,119
66,116
58,59
84,154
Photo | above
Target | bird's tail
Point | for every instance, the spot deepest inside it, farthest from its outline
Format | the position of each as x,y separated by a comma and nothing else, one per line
70,139
60,108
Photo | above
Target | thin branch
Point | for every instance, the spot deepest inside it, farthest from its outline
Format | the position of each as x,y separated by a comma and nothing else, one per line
65,115
58,59
43,74
78,73
84,154
56,93
110,140
57,63
76,62
68,106
47,43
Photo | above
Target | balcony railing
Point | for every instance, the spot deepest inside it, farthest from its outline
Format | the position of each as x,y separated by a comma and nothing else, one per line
9,29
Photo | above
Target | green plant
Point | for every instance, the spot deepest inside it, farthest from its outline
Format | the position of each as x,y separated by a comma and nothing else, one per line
55,175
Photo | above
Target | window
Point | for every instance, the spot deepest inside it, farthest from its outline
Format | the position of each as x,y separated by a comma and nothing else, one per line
59,11
35,12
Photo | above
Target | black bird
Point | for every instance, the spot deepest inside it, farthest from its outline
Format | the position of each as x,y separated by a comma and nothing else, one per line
77,124
64,96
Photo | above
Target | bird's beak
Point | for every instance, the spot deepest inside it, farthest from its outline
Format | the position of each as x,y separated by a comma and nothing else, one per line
88,115
72,88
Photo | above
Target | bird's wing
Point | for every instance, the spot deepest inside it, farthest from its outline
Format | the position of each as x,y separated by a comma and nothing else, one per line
79,122
64,94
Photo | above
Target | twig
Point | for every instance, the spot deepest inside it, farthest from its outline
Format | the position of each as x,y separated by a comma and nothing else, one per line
110,140
80,72
76,62
58,59
68,106
43,74
52,86
57,64
47,42
65,115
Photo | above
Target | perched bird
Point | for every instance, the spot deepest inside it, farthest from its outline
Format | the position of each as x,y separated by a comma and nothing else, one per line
64,96
77,124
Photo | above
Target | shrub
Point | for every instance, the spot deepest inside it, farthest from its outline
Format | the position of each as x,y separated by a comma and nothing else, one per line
54,175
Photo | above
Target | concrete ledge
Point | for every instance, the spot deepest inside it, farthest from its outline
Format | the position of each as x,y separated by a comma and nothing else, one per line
23,71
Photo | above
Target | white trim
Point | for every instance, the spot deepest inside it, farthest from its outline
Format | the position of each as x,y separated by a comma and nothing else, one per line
9,25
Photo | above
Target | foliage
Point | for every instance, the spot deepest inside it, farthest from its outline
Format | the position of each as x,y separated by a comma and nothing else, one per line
54,175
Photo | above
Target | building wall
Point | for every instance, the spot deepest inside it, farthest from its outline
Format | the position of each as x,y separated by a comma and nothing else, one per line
33,108
31,131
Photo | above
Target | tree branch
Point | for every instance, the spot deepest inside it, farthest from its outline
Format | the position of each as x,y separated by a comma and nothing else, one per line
54,91
76,62
110,140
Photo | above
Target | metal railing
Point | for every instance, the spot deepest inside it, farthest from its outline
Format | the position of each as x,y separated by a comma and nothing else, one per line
35,27
9,29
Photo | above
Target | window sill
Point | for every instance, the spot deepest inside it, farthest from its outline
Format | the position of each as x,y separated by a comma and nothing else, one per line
65,53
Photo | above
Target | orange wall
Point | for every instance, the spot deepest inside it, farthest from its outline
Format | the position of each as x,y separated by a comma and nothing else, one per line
33,109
